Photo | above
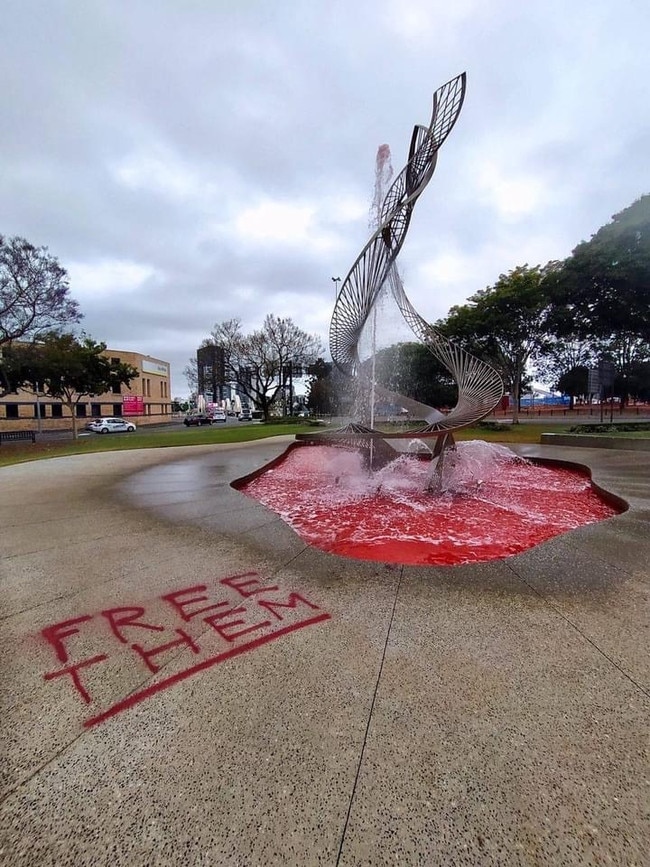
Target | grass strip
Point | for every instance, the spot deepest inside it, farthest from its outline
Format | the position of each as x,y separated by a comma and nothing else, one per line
142,439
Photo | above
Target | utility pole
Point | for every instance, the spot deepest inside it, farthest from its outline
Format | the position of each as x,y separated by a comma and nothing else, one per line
335,281
39,423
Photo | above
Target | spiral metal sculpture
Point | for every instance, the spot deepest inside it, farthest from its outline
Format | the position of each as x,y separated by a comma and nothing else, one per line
479,386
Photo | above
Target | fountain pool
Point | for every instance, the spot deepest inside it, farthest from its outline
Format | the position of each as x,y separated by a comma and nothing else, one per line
495,503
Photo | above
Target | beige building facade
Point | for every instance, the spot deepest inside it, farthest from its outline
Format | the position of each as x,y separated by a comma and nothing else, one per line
146,401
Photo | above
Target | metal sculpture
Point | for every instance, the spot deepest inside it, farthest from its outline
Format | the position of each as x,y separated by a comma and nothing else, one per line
479,386
367,276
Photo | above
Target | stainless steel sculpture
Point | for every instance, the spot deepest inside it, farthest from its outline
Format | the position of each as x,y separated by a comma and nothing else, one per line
480,387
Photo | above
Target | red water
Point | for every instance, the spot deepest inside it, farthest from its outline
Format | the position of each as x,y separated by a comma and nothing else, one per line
324,494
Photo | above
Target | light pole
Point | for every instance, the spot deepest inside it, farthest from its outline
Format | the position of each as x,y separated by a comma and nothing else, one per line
38,409
335,281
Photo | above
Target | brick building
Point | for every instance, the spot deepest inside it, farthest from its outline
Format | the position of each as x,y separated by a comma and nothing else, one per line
146,401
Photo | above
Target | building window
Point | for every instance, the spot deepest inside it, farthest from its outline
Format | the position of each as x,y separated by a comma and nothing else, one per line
116,388
95,409
41,407
80,410
117,409
115,360
57,410
12,410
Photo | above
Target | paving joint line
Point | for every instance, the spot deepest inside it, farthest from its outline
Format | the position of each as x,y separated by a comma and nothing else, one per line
372,707
574,626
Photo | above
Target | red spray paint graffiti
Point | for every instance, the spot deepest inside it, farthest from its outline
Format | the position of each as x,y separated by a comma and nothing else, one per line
251,614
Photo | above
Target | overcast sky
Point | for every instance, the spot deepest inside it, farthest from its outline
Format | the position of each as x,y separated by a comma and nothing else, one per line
189,161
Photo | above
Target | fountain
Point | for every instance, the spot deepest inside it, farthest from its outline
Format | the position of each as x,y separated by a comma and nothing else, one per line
361,492
496,504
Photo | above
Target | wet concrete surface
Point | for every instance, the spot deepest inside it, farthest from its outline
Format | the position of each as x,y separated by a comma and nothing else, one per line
185,681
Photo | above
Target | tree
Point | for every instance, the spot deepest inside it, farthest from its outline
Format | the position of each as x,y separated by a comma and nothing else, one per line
410,369
574,382
637,383
601,293
602,290
560,358
260,362
191,374
179,404
67,369
506,324
321,390
34,289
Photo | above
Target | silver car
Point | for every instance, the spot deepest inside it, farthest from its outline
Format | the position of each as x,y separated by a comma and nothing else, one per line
110,425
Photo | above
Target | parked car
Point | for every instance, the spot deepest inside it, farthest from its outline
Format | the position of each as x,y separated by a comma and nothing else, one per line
110,425
219,415
197,419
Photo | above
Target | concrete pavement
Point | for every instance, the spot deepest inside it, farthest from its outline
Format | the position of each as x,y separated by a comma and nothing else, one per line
183,681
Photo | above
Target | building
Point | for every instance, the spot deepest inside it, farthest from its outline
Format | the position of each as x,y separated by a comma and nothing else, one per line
146,401
210,368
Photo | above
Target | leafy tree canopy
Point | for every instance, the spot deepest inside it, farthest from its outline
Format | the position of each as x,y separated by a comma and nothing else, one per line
603,288
67,369
560,357
410,369
506,324
322,396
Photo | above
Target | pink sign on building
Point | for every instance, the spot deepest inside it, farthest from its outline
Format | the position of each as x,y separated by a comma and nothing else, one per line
132,404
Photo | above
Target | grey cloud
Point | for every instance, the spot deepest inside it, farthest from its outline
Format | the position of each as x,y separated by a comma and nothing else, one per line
287,102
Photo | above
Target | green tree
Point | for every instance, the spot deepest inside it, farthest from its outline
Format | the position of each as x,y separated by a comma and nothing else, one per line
329,391
411,370
601,293
258,362
506,324
67,369
637,383
603,288
321,398
561,357
574,382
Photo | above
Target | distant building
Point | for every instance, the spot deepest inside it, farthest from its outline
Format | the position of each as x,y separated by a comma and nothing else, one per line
211,370
147,400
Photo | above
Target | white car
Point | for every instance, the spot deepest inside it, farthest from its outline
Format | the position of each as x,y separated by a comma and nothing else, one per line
219,415
110,425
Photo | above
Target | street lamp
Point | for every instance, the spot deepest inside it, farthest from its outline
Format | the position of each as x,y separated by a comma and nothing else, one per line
336,281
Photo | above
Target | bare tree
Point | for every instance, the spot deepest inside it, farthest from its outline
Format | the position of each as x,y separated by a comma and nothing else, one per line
34,289
191,374
260,362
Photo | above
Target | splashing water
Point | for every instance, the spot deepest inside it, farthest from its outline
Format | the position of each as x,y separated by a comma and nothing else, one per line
495,504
